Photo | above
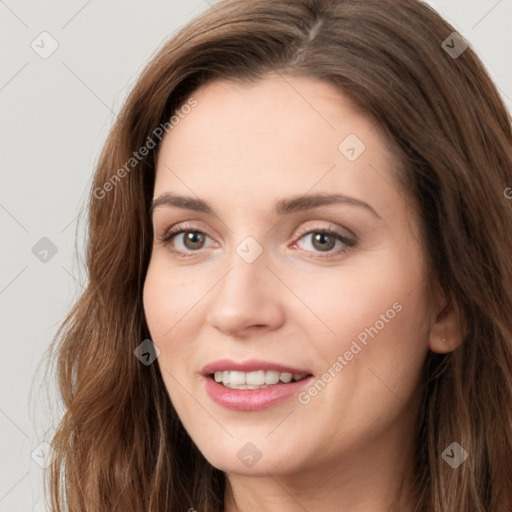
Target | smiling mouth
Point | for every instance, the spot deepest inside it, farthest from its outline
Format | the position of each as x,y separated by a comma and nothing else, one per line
259,379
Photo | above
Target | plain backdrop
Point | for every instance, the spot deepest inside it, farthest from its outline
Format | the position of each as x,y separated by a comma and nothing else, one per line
56,111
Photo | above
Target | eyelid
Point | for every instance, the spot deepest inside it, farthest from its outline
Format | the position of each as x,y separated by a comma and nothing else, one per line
334,230
177,229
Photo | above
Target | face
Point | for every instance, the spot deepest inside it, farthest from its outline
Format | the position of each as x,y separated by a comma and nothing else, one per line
255,285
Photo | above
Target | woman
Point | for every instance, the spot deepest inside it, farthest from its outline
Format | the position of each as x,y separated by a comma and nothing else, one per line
218,360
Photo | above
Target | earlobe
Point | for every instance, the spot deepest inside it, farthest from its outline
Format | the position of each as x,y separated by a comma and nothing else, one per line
447,332
441,345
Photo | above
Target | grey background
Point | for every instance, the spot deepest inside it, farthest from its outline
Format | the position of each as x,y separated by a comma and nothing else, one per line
55,115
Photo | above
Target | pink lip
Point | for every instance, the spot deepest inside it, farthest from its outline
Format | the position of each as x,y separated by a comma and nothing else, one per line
251,399
249,366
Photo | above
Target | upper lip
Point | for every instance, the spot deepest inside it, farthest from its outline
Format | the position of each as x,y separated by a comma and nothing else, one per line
251,365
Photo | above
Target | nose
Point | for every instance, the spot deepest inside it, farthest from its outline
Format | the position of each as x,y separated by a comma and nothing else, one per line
248,298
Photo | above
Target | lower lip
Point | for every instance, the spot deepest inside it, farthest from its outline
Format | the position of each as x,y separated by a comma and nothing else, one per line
252,399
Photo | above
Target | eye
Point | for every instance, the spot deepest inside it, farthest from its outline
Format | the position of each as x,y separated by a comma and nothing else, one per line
324,241
192,241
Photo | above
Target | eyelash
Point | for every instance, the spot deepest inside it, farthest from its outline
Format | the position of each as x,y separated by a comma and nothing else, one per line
166,238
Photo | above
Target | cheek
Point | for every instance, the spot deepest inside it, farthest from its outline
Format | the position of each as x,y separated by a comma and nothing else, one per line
152,296
167,298
376,318
164,305
372,366
399,352
361,299
163,308
175,306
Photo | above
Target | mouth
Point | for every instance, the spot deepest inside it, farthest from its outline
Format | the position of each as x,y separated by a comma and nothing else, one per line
252,385
259,379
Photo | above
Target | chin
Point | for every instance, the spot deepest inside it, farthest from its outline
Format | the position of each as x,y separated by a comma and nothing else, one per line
247,458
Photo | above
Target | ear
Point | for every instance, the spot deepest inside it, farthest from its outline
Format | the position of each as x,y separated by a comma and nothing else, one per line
448,329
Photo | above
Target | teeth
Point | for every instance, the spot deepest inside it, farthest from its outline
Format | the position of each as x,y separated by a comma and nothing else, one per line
237,378
271,377
254,380
286,377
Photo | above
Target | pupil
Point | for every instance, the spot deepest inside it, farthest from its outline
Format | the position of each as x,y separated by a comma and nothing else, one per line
194,238
320,237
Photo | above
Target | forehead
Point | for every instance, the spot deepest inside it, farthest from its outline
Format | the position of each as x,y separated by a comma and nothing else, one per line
283,134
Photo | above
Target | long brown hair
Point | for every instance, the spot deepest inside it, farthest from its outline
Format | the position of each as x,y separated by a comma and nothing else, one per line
120,445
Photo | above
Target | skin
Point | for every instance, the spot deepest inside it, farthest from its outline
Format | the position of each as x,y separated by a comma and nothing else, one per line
242,148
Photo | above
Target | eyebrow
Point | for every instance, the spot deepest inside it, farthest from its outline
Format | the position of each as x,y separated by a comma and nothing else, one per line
282,207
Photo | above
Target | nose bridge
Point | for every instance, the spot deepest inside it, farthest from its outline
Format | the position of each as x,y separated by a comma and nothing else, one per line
246,295
247,273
